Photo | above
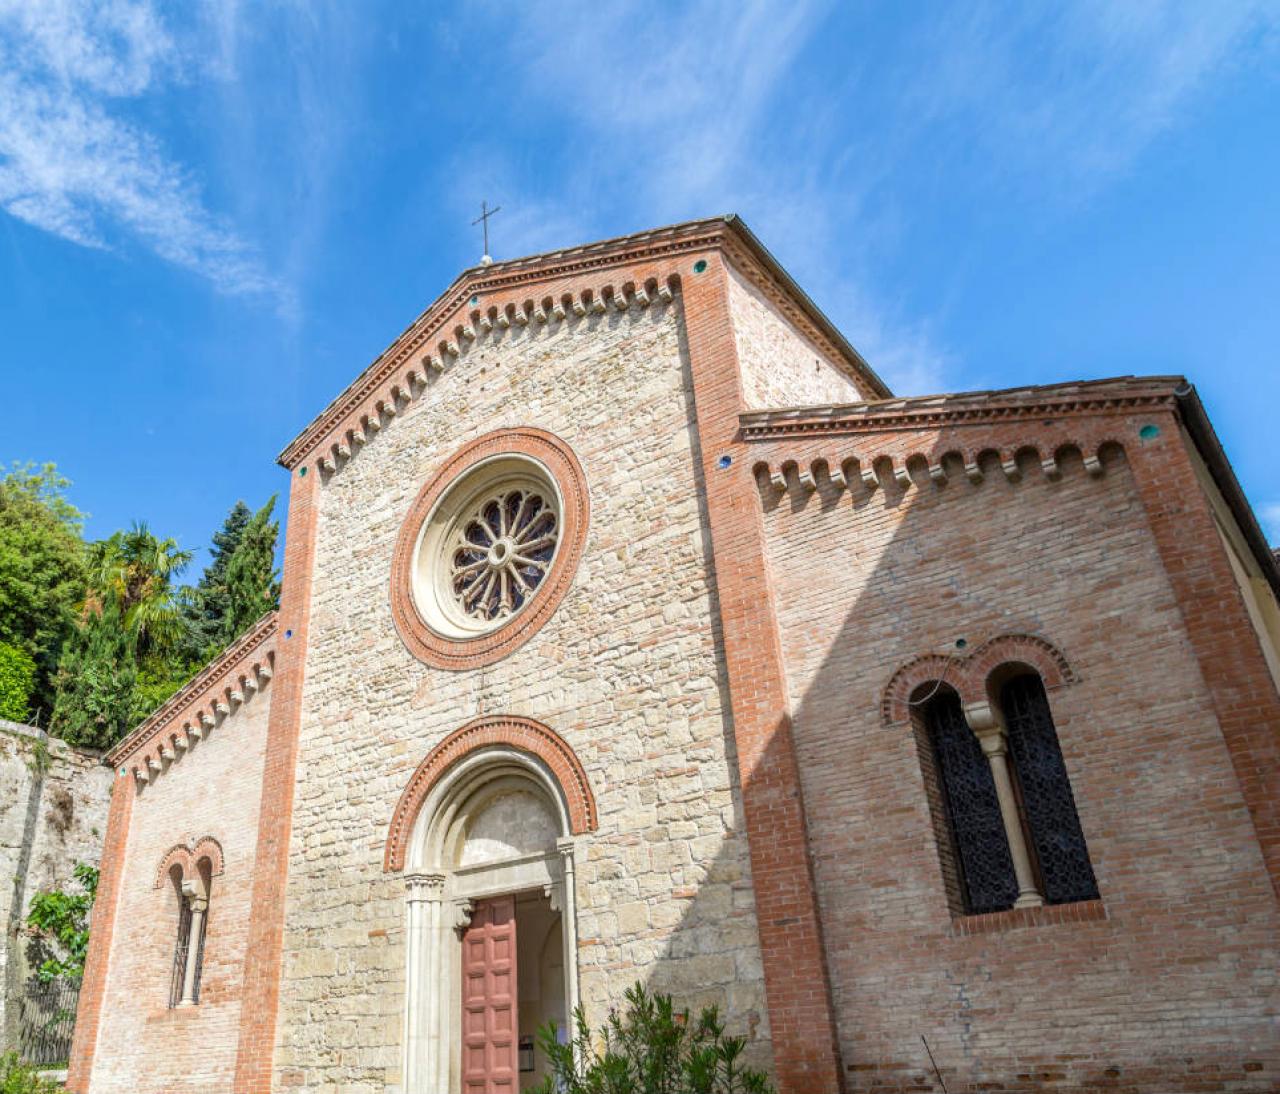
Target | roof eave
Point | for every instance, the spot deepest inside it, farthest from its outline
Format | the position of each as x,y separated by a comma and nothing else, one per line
713,227
1203,435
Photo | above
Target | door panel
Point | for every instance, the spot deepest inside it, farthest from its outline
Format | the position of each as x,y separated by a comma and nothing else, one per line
489,1064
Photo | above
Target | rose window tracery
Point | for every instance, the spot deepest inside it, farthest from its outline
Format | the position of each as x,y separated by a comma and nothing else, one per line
502,553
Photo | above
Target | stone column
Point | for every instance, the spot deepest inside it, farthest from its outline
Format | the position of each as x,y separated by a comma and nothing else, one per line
986,723
569,927
198,898
423,896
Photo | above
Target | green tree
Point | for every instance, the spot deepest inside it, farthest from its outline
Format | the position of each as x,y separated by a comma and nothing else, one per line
17,680
58,923
96,699
253,586
649,1047
208,602
42,569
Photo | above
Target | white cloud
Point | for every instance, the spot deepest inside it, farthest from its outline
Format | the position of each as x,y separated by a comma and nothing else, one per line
676,115
73,164
1078,92
1269,515
705,108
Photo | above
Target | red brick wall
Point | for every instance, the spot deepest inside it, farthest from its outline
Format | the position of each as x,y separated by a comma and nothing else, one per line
211,790
1170,983
102,923
261,993
800,1013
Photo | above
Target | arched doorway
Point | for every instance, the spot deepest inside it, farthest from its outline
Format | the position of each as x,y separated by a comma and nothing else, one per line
487,846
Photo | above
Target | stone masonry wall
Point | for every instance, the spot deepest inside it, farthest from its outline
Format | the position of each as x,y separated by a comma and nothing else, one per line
1174,987
52,815
214,790
780,366
626,671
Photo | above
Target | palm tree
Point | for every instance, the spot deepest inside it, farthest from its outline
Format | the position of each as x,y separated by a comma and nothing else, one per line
134,572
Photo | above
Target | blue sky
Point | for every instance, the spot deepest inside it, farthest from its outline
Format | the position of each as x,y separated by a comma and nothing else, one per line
215,215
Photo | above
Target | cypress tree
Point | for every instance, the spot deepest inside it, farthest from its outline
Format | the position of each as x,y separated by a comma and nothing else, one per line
208,603
252,581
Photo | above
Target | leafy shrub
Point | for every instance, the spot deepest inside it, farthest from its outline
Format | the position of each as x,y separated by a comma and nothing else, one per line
18,1078
17,680
59,925
649,1048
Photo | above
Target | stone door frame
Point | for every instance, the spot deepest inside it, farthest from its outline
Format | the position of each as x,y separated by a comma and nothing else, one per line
439,898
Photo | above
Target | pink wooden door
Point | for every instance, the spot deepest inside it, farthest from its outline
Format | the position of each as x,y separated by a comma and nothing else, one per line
489,999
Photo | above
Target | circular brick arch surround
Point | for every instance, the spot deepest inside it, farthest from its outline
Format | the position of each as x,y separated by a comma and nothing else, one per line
514,732
968,673
452,653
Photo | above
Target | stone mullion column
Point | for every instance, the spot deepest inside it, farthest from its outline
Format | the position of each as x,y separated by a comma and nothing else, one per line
199,905
990,732
423,896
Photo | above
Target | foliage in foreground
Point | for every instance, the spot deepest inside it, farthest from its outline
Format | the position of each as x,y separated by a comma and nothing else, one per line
19,1078
42,575
17,681
58,924
649,1047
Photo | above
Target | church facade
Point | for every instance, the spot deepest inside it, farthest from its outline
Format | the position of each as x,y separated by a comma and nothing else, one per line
632,629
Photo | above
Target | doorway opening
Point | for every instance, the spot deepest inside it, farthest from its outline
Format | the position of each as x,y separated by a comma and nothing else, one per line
513,985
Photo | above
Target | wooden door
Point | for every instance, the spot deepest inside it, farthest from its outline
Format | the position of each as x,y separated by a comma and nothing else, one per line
489,1014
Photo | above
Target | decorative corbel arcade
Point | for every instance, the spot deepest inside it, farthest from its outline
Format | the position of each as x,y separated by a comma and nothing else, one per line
199,708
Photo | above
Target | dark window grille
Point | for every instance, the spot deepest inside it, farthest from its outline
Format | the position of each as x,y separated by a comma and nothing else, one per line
973,810
204,930
180,952
1047,801
46,1020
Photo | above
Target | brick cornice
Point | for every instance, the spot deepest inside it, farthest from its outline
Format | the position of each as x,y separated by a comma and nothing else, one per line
1090,399
199,694
453,318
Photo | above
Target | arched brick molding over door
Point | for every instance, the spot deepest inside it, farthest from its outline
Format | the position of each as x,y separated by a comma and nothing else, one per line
513,732
968,673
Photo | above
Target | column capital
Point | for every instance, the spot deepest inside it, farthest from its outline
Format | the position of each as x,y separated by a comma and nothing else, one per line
984,719
422,887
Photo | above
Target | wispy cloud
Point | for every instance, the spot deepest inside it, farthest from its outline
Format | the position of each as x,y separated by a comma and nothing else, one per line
1078,92
685,116
708,109
1269,514
71,160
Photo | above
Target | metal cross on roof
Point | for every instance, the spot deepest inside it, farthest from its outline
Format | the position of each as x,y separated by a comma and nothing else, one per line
483,218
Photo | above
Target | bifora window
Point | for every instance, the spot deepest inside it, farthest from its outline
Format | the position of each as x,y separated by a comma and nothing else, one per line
487,546
1015,837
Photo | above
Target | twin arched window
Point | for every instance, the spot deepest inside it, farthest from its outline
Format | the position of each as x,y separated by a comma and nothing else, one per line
1012,834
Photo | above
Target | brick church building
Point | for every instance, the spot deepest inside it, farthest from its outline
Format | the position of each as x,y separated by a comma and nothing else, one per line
632,629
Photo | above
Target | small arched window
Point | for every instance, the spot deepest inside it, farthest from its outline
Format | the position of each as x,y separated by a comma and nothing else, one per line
193,917
1049,808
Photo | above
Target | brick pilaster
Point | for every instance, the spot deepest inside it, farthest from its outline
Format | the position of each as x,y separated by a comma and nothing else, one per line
261,993
89,1008
801,1016
1217,621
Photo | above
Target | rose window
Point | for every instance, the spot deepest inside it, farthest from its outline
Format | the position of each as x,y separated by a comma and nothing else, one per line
487,546
502,553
